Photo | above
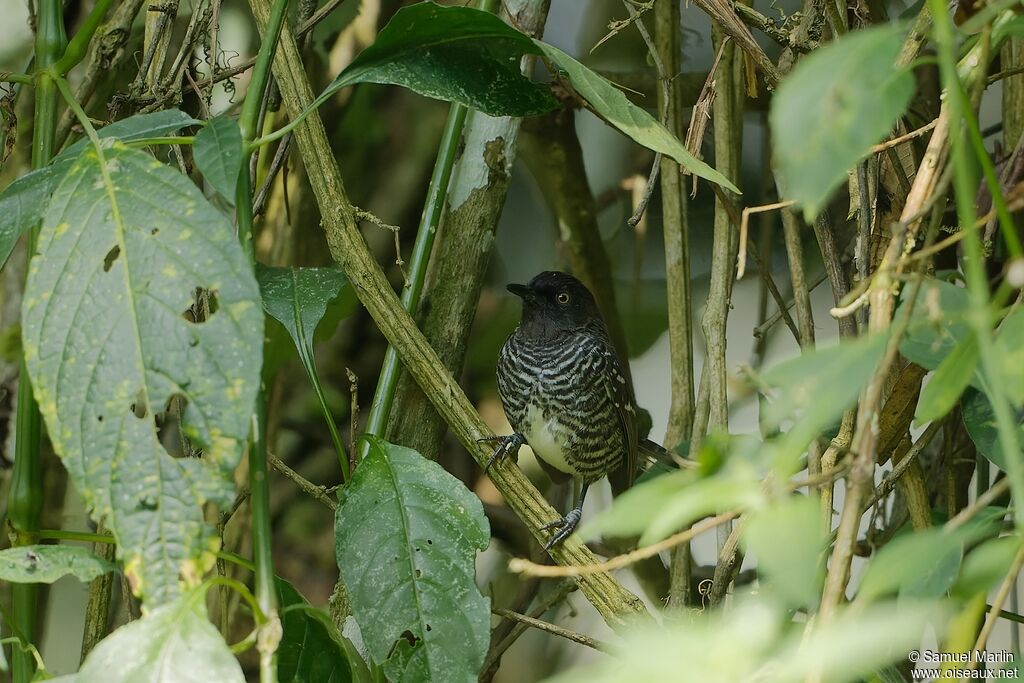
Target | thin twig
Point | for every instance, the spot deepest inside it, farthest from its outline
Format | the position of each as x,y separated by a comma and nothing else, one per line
995,491
527,568
741,256
665,80
888,144
307,487
1009,582
554,597
889,482
548,627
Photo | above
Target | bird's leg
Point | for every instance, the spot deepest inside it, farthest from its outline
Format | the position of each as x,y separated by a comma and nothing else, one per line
508,444
567,524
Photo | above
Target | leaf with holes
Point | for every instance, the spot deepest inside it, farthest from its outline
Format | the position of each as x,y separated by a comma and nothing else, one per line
407,537
128,246
311,649
835,104
47,563
23,202
174,643
218,154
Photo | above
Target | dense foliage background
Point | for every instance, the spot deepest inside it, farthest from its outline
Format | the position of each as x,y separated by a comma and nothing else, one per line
229,453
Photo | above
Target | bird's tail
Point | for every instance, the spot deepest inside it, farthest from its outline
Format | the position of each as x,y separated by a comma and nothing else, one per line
655,455
653,459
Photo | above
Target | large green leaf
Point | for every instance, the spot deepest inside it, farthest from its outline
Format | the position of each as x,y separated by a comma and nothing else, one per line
949,381
615,108
835,104
174,643
787,539
846,648
299,299
407,537
980,421
662,505
218,154
125,247
457,54
469,56
813,390
922,564
23,202
937,323
311,649
47,563
1009,350
986,565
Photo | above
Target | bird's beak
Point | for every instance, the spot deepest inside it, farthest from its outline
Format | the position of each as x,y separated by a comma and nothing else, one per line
522,291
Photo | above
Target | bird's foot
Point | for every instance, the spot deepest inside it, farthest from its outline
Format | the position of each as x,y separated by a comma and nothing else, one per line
508,444
566,525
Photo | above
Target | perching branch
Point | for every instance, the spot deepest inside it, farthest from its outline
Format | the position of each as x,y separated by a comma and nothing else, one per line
347,247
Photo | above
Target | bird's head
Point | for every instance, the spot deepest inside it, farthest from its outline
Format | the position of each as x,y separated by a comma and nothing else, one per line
555,302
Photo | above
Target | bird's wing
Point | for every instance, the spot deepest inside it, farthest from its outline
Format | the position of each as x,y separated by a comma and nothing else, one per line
621,396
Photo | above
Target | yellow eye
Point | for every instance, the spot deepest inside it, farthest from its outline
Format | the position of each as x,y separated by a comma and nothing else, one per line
563,298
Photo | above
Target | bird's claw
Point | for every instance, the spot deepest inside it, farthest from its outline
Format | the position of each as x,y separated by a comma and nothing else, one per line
508,444
566,525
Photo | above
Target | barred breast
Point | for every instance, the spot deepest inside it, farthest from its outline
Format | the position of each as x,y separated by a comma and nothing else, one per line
567,398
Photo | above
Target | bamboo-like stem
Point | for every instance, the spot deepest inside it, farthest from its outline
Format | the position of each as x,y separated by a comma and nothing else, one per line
11,77
106,53
801,292
349,249
97,609
25,498
726,114
980,315
79,44
266,595
676,232
387,381
478,189
1012,57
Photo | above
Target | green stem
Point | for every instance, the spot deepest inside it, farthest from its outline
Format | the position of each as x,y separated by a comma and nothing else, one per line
390,370
64,535
249,119
314,379
25,499
980,316
258,614
78,46
11,77
163,140
266,596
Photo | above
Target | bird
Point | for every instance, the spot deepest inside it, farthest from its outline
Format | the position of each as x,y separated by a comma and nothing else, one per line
565,393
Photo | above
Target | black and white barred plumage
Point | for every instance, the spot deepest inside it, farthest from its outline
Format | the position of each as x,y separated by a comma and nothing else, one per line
564,391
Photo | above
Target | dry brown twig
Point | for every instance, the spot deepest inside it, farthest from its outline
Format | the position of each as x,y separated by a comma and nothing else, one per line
741,254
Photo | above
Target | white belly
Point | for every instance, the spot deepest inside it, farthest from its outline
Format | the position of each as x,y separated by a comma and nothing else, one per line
543,437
